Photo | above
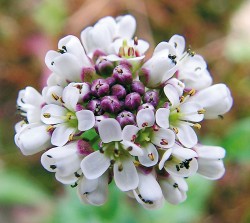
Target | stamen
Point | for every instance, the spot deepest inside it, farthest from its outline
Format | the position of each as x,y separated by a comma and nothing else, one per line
178,109
121,52
49,156
50,128
164,142
46,115
182,99
101,150
71,136
130,148
55,96
197,125
133,138
120,167
221,116
192,92
61,100
74,185
151,156
52,167
112,162
136,40
145,124
77,175
175,130
201,111
136,163
175,185
131,51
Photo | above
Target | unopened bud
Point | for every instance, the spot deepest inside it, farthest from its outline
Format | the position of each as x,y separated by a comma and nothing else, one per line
138,87
122,75
132,101
110,104
126,118
119,91
99,88
151,97
95,106
104,67
146,105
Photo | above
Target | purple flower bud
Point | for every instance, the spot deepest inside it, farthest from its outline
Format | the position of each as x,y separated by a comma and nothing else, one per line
110,104
99,88
87,74
138,87
122,75
104,67
119,91
146,105
151,97
132,101
110,81
126,118
97,54
95,106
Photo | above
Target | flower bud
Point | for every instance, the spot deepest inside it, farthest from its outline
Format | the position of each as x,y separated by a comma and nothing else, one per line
99,88
146,105
110,104
126,118
138,87
104,67
151,97
122,75
132,101
119,91
110,81
95,106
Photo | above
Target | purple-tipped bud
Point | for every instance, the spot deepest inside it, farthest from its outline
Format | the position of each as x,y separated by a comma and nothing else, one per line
132,101
99,88
104,67
97,54
110,81
146,105
126,118
151,97
123,75
138,87
95,106
119,91
84,147
110,104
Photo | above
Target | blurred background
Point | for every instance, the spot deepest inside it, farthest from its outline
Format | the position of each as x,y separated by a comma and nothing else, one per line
219,30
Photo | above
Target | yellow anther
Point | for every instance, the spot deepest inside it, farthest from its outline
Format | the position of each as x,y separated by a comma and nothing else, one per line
176,130
197,125
178,109
136,40
49,128
192,92
137,163
164,142
46,115
61,100
202,111
182,99
120,167
55,96
71,136
151,156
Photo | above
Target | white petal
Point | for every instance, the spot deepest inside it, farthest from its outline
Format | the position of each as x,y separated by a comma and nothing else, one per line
164,158
172,95
129,131
55,79
86,119
87,185
50,92
60,135
162,117
133,149
179,86
145,118
142,46
94,165
32,138
209,152
110,130
187,135
211,169
69,180
126,179
150,155
126,26
54,114
164,138
189,110
178,42
70,97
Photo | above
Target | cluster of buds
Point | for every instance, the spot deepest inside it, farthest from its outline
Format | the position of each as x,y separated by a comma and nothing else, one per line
108,115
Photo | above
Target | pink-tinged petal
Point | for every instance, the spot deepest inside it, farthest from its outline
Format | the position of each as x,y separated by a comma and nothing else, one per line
178,42
86,119
110,130
211,169
133,149
150,155
187,135
125,175
145,118
94,165
172,94
61,135
162,117
209,152
164,138
129,132
164,158
190,111
53,114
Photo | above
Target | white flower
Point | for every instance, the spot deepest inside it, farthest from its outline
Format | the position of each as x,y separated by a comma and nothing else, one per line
148,193
113,151
93,191
179,161
65,120
174,189
148,137
32,138
30,102
160,67
216,100
70,62
209,161
105,31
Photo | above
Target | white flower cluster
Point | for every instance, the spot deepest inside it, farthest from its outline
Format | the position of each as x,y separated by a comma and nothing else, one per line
106,114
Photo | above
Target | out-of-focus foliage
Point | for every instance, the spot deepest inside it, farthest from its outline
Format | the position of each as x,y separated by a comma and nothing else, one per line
219,30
